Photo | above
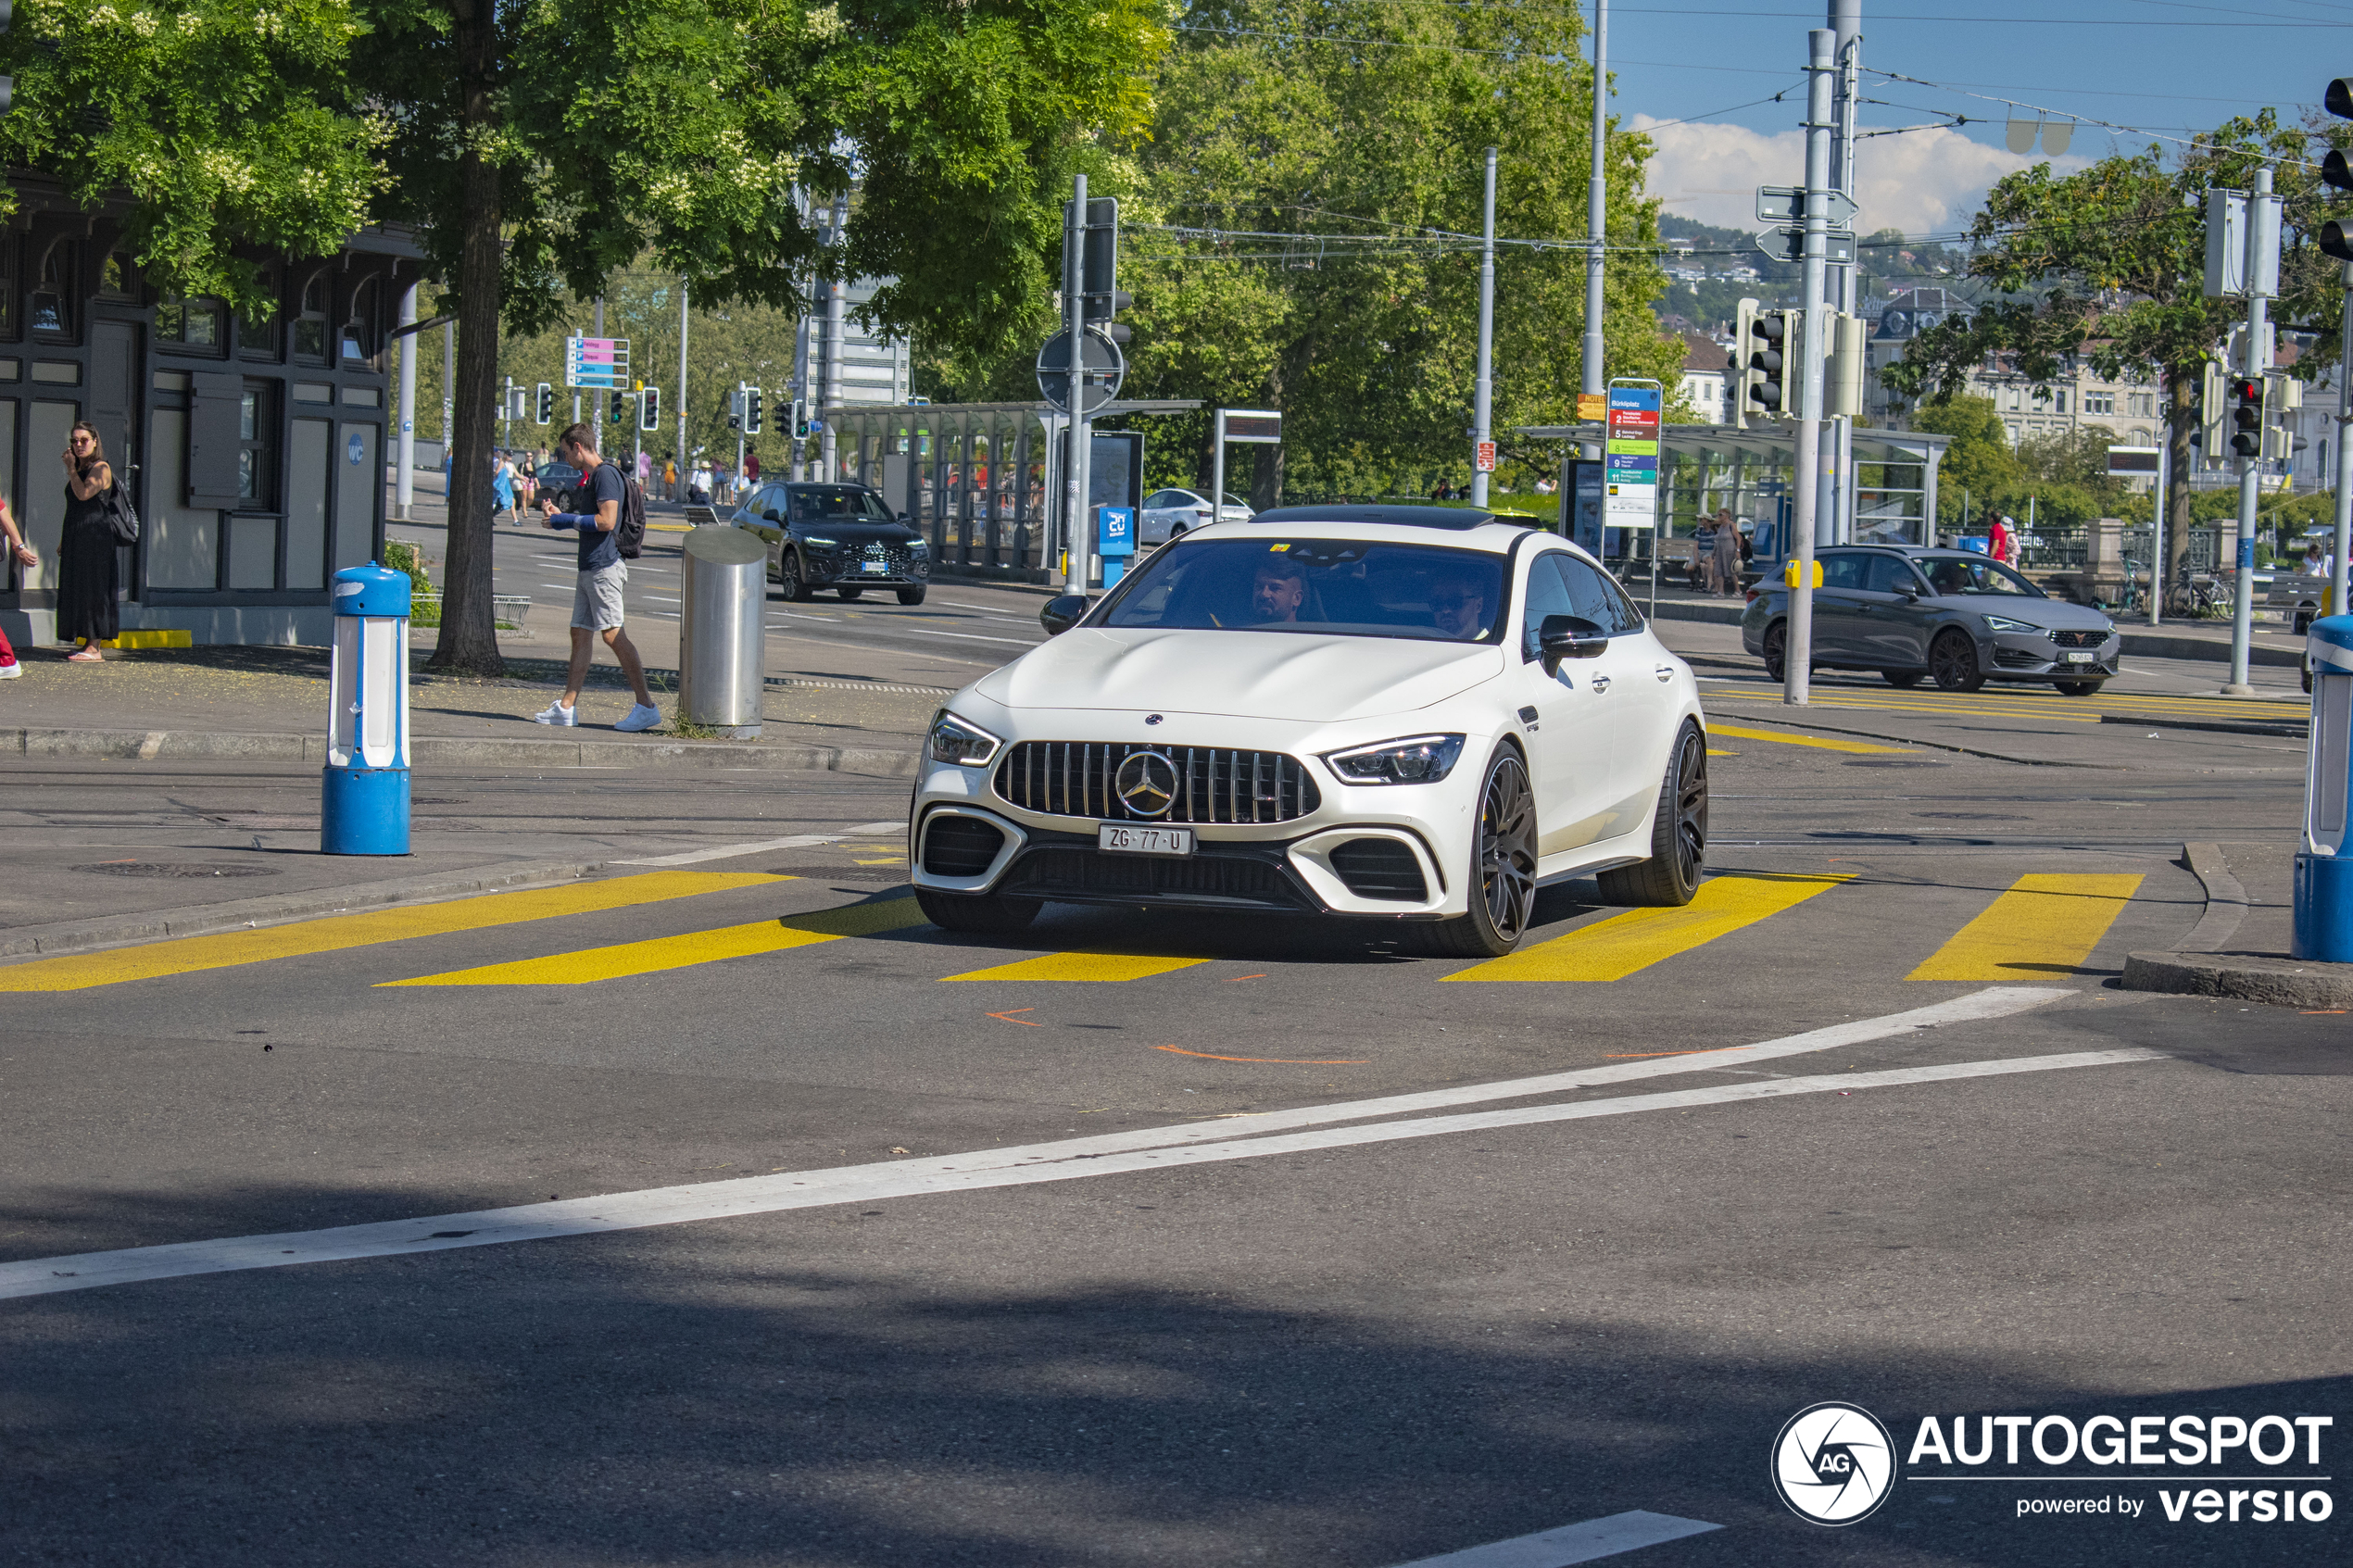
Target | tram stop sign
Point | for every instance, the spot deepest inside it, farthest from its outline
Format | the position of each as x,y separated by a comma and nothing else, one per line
1102,369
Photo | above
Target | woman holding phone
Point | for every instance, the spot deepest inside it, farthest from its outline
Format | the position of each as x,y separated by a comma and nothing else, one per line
86,553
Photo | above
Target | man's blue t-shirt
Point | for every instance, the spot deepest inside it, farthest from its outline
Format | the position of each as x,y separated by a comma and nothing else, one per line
598,546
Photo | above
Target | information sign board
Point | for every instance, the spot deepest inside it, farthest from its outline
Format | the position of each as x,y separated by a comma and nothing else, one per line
1631,457
596,363
1486,457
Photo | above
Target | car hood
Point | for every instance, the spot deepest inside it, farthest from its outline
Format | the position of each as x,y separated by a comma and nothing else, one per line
1250,674
2052,615
850,532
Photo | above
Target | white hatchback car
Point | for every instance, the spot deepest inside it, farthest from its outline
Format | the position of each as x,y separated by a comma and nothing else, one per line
1409,713
1168,513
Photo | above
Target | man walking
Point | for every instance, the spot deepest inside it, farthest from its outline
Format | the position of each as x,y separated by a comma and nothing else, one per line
595,599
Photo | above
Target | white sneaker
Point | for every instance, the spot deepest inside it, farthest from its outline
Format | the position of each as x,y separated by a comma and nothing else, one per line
10,671
555,713
640,718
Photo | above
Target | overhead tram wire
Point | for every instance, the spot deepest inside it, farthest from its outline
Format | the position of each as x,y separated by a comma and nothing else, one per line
2044,112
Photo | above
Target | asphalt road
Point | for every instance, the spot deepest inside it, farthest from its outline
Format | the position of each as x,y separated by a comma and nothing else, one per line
720,1211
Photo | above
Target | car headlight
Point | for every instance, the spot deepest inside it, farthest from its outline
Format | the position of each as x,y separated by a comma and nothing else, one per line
813,539
954,740
1417,759
2003,623
919,547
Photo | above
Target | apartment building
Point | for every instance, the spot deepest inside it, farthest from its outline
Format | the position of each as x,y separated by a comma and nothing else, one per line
2076,400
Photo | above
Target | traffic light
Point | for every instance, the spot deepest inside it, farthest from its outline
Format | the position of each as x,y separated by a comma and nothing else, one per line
620,407
1760,363
1100,296
649,408
543,406
2247,415
735,408
2213,412
752,410
2335,170
800,411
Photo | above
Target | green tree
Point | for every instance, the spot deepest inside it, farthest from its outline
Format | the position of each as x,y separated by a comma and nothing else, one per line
1979,464
2107,265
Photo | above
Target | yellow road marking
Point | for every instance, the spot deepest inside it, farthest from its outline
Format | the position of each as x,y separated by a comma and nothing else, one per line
1623,945
1800,740
591,964
187,955
1083,966
1713,752
2045,925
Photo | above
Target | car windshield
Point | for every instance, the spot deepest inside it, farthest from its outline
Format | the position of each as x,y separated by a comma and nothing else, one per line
1974,576
838,501
1324,586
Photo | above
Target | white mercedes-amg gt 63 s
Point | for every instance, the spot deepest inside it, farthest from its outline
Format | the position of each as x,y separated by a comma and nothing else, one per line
1408,713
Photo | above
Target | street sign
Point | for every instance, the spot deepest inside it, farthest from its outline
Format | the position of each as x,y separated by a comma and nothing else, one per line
1593,407
1786,204
1629,479
1787,243
1102,369
1486,457
1251,427
596,363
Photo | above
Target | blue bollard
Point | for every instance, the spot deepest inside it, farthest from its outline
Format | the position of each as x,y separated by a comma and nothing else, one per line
2324,860
364,788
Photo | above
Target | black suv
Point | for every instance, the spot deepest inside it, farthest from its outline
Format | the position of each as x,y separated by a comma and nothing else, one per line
838,537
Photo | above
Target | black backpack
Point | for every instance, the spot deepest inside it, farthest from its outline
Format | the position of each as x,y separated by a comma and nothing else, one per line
629,533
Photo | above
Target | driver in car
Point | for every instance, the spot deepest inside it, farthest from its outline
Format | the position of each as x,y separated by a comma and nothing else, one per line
1278,590
1457,606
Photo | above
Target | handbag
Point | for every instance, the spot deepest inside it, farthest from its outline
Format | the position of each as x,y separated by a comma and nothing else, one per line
122,516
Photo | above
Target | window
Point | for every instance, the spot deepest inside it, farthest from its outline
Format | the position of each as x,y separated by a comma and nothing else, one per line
2099,402
2058,403
1321,586
254,430
1547,593
310,322
194,323
358,335
812,504
258,338
1599,600
51,309
118,278
1841,571
1888,574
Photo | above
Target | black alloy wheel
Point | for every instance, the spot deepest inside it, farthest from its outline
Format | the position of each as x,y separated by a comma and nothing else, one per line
1902,677
911,596
2078,688
1670,878
1777,651
1951,658
1502,881
791,586
848,594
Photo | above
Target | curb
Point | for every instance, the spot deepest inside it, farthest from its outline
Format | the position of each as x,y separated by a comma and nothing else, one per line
148,746
2290,730
25,941
2243,976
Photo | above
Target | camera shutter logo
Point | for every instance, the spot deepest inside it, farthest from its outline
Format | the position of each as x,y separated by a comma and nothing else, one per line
1147,784
1833,1463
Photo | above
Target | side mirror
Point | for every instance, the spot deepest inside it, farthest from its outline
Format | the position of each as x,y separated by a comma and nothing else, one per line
902,516
1569,637
1909,590
1062,613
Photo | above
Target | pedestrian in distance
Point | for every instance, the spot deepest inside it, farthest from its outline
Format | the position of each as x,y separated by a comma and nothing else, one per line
22,555
669,476
502,486
86,553
751,465
1728,554
603,574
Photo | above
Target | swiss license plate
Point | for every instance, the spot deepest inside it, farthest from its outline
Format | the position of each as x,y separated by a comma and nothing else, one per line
2081,657
877,567
1124,840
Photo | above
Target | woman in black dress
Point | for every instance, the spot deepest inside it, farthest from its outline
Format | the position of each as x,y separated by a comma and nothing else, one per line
87,554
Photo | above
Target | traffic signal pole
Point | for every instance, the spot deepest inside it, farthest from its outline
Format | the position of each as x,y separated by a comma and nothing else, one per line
1846,22
1483,429
1080,547
1797,657
2259,344
2343,554
680,456
1596,375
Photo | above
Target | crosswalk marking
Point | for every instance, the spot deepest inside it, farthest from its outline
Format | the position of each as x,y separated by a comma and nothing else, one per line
1083,966
655,954
187,955
1823,741
1626,944
2045,925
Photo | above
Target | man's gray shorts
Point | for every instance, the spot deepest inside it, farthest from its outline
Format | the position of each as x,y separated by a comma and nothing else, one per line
595,599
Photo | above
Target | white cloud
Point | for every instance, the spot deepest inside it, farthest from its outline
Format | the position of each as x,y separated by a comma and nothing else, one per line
1923,183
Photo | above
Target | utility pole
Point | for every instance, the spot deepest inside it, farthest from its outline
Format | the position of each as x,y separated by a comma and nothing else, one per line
1482,420
2259,359
836,320
1077,539
1846,22
404,481
1798,653
680,458
1596,374
2343,551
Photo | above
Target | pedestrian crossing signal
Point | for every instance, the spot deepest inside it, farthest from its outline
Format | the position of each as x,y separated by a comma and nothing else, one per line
650,409
543,408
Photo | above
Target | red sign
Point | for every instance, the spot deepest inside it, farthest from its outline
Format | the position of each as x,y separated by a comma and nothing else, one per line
1487,457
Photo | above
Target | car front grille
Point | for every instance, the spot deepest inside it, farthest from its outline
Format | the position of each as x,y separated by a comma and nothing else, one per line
1381,868
1074,779
2080,639
961,846
2017,659
1050,873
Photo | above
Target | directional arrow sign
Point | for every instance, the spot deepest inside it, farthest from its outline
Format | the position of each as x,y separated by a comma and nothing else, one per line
1786,204
1102,369
1788,244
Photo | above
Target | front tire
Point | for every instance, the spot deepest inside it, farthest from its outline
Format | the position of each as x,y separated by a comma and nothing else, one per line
983,914
850,596
1905,678
2077,688
1951,658
911,596
1777,651
1502,869
1670,878
791,586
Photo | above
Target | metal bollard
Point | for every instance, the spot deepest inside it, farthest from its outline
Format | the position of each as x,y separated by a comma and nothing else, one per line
723,638
2324,860
364,788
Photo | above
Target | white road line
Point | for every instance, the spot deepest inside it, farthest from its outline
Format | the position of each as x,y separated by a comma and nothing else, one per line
797,841
1587,1542
918,630
906,1178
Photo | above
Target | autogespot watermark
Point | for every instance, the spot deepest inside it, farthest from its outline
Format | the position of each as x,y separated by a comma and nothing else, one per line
1834,1463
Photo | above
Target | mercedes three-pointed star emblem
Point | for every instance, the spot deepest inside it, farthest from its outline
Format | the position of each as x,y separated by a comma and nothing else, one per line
1146,783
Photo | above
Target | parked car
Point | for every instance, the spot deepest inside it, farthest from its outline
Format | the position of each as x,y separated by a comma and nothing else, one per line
840,536
1412,714
1168,513
1954,615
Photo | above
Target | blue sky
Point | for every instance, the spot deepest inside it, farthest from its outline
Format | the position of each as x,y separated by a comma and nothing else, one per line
2165,65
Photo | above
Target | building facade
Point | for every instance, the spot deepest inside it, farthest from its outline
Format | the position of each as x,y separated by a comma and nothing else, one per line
2125,410
254,450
